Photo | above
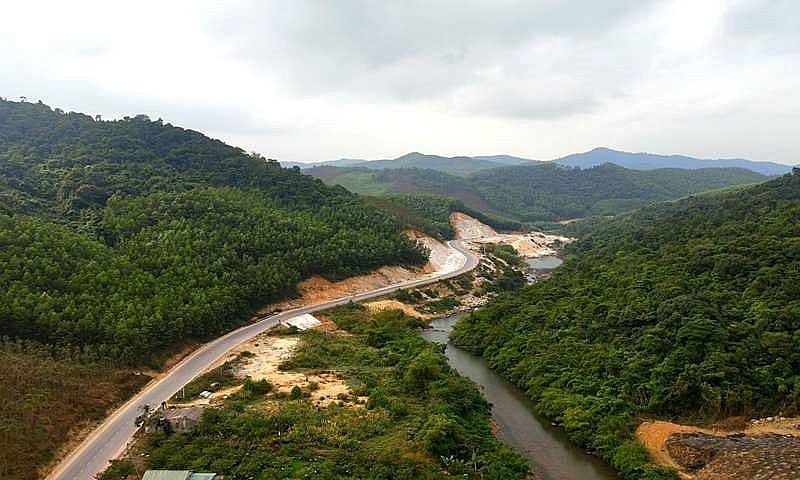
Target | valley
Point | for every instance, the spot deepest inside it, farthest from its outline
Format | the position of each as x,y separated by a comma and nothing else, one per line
167,274
540,191
263,357
400,240
111,438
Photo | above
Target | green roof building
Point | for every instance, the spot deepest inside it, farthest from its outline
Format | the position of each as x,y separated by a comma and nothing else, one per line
178,475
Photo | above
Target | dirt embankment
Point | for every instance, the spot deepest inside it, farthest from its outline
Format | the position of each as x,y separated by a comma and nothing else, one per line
442,258
317,289
759,449
381,305
532,244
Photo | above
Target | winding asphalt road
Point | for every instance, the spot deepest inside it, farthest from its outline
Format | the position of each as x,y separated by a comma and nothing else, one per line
110,439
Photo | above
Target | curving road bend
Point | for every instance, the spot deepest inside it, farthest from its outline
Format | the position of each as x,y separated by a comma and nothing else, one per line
111,438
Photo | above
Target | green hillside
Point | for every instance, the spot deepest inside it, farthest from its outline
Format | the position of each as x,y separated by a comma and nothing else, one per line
137,199
122,240
548,191
402,180
542,191
686,310
459,166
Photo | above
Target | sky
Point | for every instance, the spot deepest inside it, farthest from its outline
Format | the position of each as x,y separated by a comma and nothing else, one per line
300,80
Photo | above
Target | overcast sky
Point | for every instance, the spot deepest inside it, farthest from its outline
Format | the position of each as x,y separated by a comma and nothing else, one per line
303,80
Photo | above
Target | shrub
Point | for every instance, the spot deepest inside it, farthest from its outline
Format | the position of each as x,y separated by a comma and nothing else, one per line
425,368
257,387
440,436
296,393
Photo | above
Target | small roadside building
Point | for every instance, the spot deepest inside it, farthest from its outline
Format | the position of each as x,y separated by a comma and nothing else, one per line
181,419
179,475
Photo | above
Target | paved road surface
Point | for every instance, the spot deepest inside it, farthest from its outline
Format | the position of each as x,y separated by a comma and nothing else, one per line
110,439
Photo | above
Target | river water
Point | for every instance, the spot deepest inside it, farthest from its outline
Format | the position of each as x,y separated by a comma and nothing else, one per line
549,452
540,266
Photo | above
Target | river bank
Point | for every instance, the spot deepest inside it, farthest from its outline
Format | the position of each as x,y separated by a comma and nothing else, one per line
548,451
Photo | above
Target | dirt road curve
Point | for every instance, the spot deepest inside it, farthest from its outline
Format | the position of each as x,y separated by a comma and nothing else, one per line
110,439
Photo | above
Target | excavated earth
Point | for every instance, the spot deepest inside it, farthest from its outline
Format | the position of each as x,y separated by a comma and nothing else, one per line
737,456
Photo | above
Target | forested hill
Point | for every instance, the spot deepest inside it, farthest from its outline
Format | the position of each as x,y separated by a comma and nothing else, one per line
121,241
550,192
125,237
681,310
543,191
63,163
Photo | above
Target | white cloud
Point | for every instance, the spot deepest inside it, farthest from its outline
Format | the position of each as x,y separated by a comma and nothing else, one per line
310,80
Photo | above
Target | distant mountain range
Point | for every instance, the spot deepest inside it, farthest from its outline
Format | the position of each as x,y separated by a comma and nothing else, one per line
453,165
650,161
464,165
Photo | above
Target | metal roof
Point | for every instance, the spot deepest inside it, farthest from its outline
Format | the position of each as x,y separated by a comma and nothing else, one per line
167,475
202,476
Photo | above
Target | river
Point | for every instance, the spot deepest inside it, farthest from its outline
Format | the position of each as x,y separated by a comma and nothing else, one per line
549,452
540,266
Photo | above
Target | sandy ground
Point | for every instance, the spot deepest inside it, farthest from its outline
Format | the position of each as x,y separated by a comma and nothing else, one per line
317,289
654,433
533,244
468,228
268,353
381,305
442,258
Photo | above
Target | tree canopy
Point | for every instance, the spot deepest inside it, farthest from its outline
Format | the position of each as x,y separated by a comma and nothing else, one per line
687,310
125,237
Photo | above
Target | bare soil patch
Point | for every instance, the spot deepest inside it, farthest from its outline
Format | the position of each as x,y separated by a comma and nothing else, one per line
441,257
532,244
266,353
761,448
381,305
317,289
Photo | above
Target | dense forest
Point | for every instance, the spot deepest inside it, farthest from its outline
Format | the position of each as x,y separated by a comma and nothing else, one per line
69,164
121,239
551,192
172,265
687,310
542,191
129,235
421,419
